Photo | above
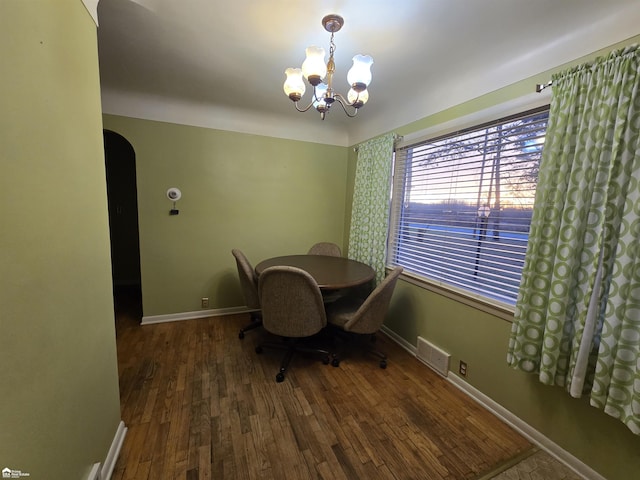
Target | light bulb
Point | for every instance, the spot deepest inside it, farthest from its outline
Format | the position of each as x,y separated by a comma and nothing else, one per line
359,76
313,68
320,93
319,102
294,85
357,99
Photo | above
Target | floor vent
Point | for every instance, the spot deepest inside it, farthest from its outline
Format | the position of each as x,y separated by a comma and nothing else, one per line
433,357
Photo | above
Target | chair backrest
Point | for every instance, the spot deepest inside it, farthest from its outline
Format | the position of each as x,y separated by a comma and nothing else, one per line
291,300
248,279
325,248
370,315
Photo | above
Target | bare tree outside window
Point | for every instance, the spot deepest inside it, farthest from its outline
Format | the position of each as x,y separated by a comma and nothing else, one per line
462,205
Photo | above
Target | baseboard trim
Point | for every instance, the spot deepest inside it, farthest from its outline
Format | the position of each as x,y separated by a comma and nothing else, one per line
114,452
94,472
412,349
176,317
526,430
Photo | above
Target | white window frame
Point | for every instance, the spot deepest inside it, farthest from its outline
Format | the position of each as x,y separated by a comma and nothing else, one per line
513,107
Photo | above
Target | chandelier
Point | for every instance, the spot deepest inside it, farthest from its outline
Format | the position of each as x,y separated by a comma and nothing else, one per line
314,70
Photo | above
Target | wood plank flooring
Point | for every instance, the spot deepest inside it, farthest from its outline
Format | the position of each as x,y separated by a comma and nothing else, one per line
201,404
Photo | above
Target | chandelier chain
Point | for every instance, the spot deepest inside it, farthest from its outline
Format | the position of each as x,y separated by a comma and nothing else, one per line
332,46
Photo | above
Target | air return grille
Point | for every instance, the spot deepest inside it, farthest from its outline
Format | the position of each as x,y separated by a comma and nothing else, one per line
433,357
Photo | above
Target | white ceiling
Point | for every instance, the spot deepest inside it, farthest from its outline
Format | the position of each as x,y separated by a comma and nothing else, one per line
221,63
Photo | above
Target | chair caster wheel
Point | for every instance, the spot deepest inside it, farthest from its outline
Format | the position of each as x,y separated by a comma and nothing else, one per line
335,362
280,377
241,335
325,361
258,349
383,364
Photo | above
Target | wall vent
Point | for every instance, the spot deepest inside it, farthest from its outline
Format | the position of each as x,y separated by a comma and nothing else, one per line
433,357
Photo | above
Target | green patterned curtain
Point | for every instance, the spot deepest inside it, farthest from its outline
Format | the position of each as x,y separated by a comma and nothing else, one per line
370,210
577,319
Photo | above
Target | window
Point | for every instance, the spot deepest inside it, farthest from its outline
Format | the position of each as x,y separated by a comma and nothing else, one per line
462,205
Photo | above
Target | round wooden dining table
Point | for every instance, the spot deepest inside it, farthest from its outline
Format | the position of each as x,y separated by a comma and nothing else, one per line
331,273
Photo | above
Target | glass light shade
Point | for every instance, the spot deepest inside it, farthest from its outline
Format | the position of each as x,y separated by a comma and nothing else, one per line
313,68
294,85
357,99
359,76
318,101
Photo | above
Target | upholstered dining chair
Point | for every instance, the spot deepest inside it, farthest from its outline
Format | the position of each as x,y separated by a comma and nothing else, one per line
356,318
249,285
292,308
325,248
331,250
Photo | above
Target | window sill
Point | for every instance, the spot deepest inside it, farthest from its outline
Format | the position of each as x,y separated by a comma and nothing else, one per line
497,309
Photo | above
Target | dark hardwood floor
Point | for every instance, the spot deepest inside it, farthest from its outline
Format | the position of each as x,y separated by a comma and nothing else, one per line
200,404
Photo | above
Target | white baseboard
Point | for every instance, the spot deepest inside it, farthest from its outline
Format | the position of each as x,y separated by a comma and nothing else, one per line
110,462
412,349
526,430
94,472
174,317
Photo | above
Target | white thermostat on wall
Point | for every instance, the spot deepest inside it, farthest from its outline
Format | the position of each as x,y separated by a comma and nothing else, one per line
174,194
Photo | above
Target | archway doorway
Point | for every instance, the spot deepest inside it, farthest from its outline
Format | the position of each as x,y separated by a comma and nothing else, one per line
120,165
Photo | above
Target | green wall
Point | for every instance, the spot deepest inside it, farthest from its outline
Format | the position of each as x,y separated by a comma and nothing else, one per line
269,197
265,196
480,339
59,408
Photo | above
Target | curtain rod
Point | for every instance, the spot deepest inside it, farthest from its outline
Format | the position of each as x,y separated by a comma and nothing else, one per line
541,86
396,138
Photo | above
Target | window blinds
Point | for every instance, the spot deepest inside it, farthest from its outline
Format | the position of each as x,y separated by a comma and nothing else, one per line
462,205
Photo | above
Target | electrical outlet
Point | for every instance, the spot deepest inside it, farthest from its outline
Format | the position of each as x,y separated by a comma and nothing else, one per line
463,368
204,302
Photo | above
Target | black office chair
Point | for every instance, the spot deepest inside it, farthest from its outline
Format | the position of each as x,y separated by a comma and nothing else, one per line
249,285
355,317
292,307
